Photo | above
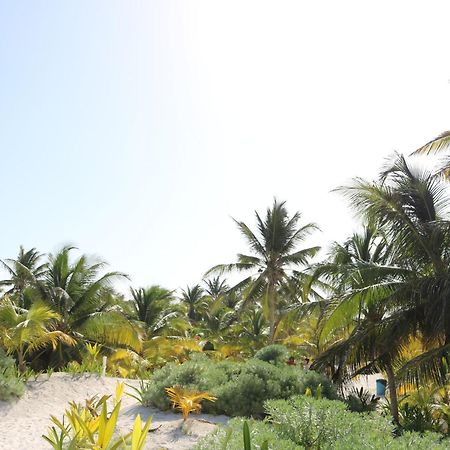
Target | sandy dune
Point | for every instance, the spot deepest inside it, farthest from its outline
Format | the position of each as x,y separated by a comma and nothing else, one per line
23,422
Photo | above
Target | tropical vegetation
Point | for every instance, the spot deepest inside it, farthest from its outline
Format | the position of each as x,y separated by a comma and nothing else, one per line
375,303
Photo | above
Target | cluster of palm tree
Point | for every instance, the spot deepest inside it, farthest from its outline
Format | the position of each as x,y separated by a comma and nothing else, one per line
378,301
53,305
387,307
78,304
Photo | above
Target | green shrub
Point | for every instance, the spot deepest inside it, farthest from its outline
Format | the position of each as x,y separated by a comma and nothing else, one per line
312,380
420,441
10,384
241,388
304,422
274,354
317,423
231,437
327,424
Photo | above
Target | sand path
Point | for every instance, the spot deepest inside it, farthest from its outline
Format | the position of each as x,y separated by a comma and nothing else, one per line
22,422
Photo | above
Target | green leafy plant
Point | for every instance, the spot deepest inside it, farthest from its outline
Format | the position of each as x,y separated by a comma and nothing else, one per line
360,400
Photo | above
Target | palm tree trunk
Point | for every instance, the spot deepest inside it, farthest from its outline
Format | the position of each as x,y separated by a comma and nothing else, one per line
392,392
21,364
271,304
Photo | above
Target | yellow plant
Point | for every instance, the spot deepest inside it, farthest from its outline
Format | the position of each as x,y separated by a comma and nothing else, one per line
120,386
139,433
93,349
160,350
187,401
127,364
90,429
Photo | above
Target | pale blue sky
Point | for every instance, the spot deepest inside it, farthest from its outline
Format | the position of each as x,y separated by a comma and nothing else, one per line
136,129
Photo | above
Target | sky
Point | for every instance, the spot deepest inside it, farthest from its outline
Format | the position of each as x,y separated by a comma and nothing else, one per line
135,130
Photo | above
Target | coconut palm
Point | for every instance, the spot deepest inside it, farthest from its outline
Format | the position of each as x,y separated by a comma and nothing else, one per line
273,259
156,308
24,271
252,324
194,298
216,287
438,145
23,332
403,292
81,292
216,318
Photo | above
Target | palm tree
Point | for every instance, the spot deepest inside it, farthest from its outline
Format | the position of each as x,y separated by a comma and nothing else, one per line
83,296
155,307
252,325
438,145
193,298
22,332
403,292
273,259
24,271
359,310
216,287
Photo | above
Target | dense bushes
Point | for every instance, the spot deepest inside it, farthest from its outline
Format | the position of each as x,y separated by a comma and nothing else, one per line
10,385
305,422
259,433
241,388
315,423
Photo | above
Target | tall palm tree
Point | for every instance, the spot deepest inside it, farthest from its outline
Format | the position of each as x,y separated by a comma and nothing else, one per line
274,257
358,312
22,332
406,294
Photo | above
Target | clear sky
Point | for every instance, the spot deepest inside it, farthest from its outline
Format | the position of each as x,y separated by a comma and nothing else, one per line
135,129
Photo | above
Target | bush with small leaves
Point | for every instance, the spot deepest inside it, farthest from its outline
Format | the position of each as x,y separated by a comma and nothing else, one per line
230,437
241,388
327,424
315,423
274,354
11,385
312,380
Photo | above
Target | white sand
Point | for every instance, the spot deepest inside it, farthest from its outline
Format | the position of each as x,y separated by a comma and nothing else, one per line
22,422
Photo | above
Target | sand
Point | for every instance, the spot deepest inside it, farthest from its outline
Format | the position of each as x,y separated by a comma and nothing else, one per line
22,422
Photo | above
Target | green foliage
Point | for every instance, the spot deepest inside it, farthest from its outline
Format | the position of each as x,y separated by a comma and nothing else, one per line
360,400
275,354
317,382
307,423
417,417
326,424
231,438
241,388
10,384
